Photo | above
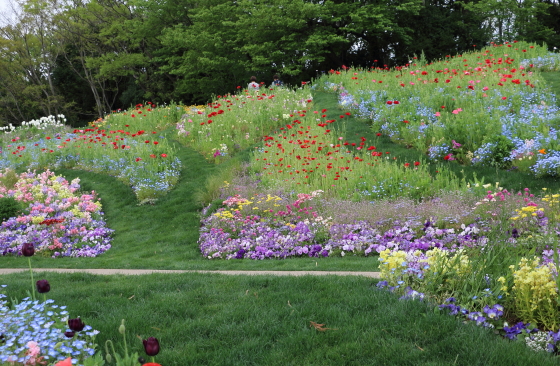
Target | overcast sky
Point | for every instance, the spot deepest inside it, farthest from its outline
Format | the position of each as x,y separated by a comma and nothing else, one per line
3,5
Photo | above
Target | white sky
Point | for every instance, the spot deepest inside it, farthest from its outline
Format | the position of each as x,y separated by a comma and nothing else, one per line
4,5
5,10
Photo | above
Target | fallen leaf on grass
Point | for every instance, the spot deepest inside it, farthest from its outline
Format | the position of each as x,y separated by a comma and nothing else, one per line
319,327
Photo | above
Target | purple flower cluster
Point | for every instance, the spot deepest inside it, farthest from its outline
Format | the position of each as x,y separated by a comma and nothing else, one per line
255,237
79,237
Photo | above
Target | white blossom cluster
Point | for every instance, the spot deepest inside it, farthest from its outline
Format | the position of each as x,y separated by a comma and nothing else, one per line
41,123
538,341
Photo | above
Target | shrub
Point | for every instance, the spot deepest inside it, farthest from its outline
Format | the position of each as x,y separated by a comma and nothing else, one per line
9,207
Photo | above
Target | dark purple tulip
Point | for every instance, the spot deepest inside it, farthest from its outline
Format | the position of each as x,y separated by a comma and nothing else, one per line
28,249
43,286
77,325
69,334
151,346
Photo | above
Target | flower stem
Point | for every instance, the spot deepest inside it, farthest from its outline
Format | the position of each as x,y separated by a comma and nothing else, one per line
125,347
32,282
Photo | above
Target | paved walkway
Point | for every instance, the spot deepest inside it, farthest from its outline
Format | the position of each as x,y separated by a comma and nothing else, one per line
149,271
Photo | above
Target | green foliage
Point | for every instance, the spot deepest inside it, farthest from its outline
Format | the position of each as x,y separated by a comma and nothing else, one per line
9,179
9,207
501,149
211,190
102,55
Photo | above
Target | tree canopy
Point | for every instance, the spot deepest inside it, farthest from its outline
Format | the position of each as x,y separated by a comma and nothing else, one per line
85,58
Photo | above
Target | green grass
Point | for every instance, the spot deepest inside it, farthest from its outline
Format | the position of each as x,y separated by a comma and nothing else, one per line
203,319
553,80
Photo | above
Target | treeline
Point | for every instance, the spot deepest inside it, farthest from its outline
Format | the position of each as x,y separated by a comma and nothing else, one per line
85,58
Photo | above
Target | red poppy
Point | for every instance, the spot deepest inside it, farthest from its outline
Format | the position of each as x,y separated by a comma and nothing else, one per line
163,155
155,142
416,163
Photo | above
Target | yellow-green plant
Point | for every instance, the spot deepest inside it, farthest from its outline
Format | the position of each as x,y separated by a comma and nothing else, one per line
553,203
392,264
535,294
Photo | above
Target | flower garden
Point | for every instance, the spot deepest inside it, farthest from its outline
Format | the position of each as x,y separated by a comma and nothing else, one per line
475,249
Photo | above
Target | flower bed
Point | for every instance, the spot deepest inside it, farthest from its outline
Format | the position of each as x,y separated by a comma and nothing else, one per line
489,107
127,145
494,262
55,218
33,333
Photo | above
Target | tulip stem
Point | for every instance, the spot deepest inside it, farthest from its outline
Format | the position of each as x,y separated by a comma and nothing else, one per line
125,347
32,282
153,359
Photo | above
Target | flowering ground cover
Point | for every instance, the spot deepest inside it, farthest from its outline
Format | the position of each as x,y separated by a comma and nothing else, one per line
231,123
33,333
54,217
129,145
489,107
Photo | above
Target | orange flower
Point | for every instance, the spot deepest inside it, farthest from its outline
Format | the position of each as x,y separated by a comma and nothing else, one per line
542,151
67,362
151,364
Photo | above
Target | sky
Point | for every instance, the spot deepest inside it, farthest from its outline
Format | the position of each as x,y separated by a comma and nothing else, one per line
4,9
3,5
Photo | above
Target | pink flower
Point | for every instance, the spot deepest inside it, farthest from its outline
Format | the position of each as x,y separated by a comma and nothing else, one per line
67,362
456,111
437,114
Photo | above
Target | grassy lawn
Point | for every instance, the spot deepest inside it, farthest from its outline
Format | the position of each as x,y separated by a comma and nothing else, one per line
203,319
553,80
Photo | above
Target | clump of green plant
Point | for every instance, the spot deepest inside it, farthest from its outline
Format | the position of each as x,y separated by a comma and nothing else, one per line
8,178
501,148
9,207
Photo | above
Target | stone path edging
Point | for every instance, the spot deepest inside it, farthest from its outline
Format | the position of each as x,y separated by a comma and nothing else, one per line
150,271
